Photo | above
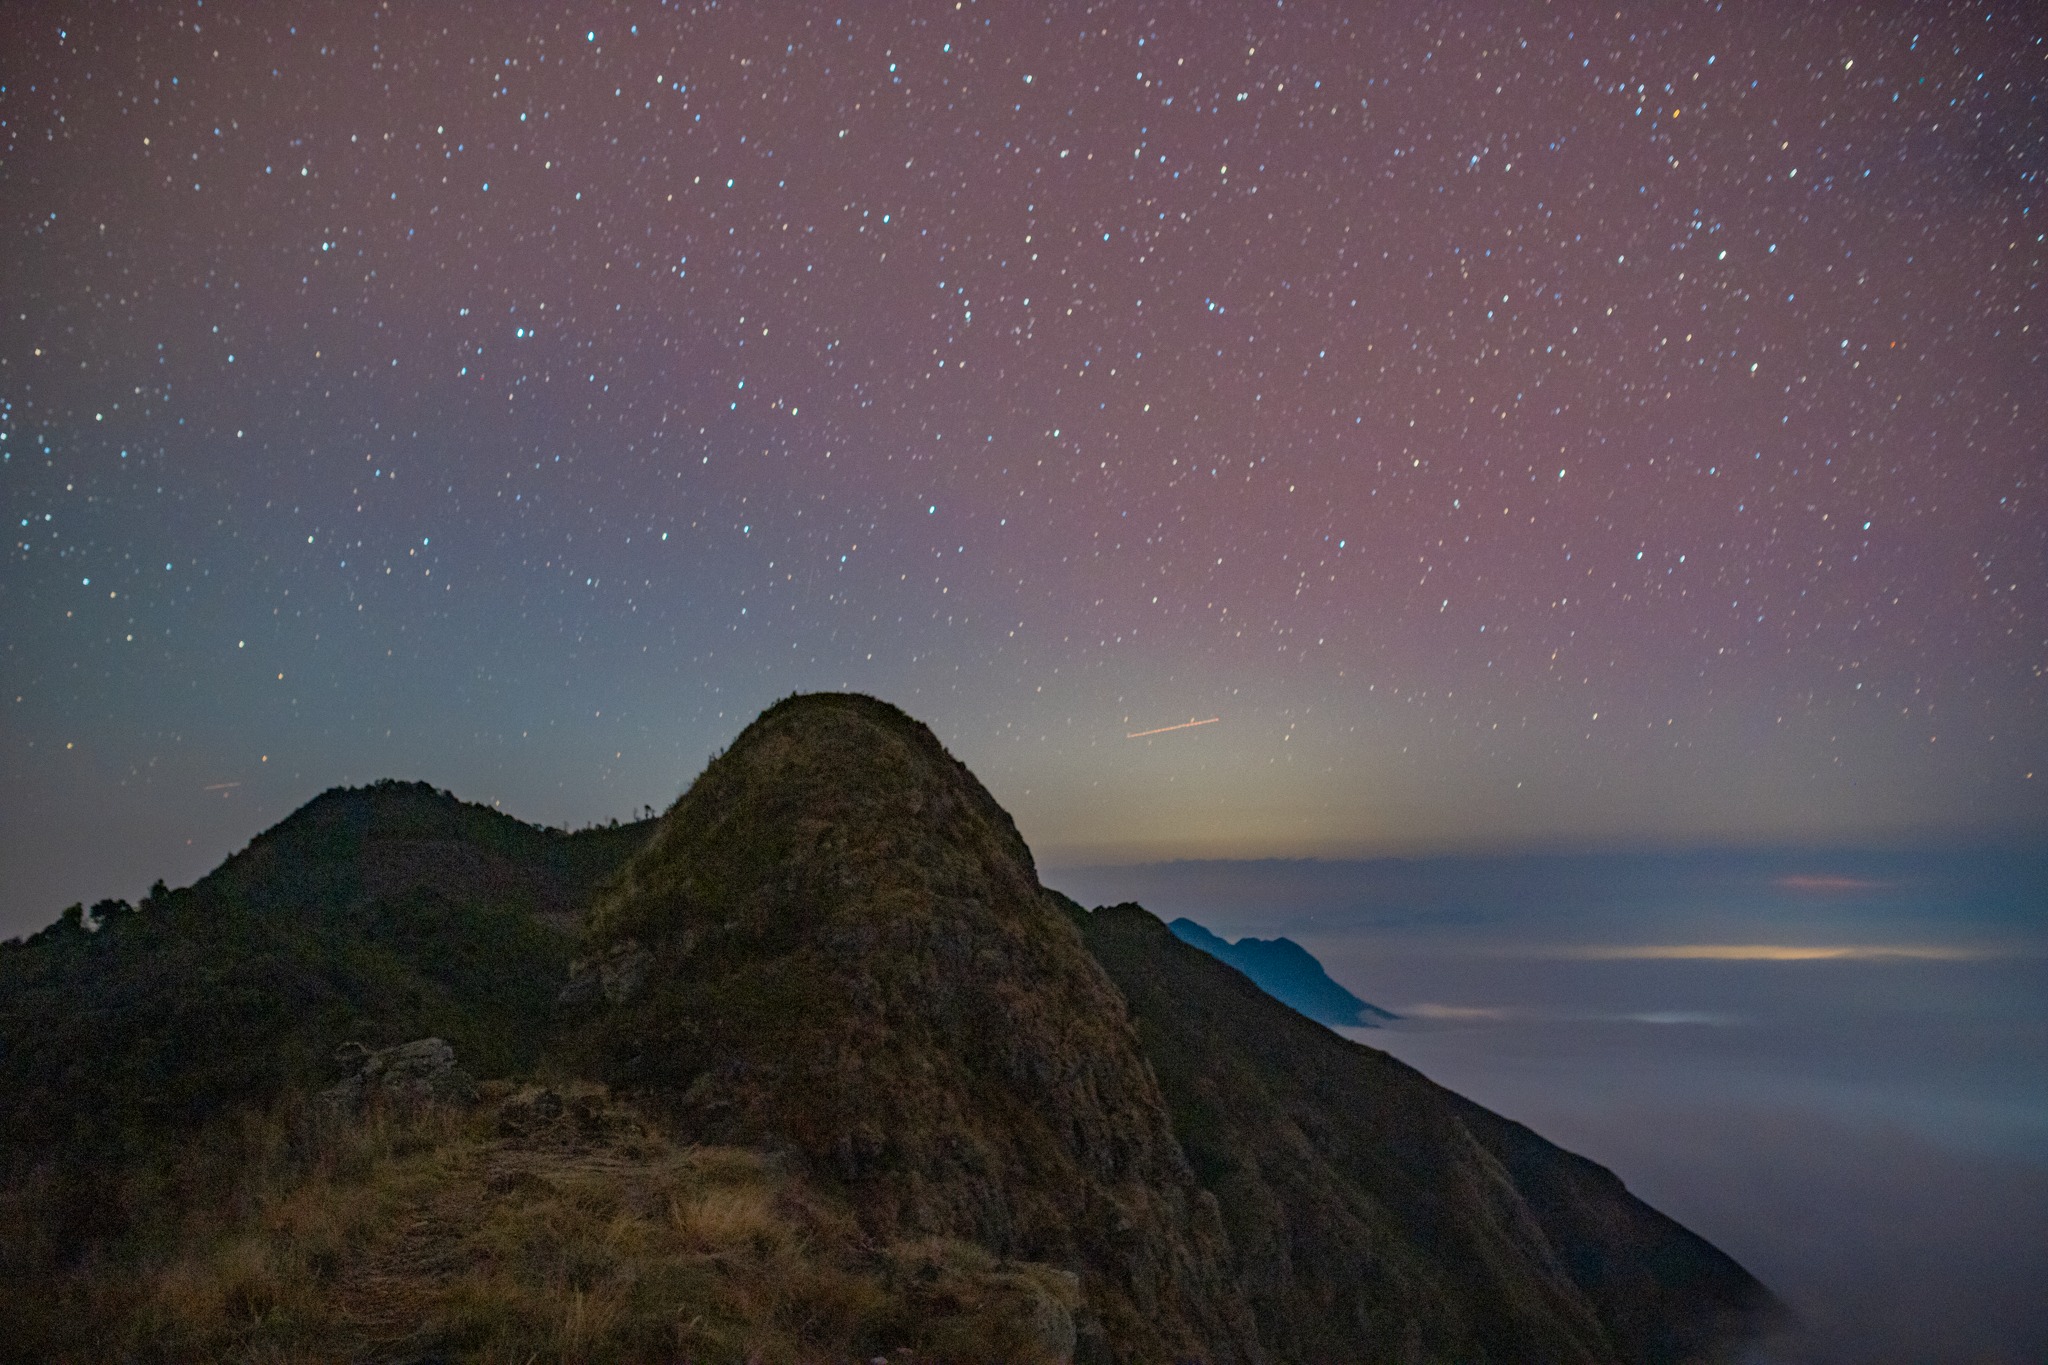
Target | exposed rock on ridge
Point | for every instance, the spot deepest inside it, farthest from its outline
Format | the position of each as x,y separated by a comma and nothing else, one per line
419,1072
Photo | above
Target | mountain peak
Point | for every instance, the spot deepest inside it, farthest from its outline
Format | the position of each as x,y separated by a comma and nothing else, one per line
850,960
873,784
1289,973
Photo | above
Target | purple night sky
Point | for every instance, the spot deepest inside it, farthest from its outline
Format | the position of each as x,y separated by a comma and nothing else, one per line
1518,425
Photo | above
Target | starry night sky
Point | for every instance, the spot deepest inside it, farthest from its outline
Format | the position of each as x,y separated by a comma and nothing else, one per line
1515,424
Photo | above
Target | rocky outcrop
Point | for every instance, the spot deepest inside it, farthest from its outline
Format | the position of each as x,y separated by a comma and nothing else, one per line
616,974
420,1072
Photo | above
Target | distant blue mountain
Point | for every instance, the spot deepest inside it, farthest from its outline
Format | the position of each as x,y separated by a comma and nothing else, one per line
1289,973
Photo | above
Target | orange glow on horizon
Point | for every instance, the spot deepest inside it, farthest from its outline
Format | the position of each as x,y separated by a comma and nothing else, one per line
1824,883
1776,952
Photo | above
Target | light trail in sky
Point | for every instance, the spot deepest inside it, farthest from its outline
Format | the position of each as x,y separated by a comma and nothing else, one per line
1164,729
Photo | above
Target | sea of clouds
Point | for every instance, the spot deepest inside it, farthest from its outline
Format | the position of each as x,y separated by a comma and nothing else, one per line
1833,1064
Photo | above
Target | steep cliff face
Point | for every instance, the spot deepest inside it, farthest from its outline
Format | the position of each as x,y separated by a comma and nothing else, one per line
1374,1215
849,957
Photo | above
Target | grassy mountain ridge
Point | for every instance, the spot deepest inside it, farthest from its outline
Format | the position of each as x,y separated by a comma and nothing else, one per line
851,959
376,914
138,1044
962,1099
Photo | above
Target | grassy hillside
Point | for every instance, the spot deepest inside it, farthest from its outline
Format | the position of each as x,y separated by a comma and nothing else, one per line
136,1041
546,1225
812,1068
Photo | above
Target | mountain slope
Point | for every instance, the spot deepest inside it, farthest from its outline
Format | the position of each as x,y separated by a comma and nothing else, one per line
373,915
1375,1215
834,953
539,1224
1288,972
847,957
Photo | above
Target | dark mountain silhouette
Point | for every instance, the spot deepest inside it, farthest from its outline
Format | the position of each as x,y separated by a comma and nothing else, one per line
812,1067
1288,972
138,1043
374,915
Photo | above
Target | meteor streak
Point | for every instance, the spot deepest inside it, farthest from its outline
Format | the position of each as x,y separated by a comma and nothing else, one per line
1184,725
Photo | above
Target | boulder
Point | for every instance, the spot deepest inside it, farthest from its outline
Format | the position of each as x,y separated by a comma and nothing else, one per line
420,1072
615,974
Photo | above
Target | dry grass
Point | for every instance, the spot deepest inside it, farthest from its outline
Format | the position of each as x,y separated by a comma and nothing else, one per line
513,1232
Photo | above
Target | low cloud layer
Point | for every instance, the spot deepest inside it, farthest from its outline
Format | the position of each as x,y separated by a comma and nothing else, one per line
1827,1064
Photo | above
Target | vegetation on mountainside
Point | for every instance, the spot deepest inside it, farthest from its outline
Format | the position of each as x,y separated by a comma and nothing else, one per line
872,1089
375,915
134,1043
554,1226
850,958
